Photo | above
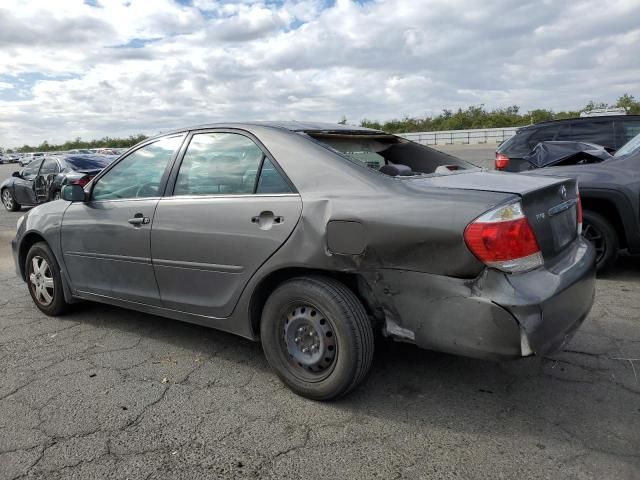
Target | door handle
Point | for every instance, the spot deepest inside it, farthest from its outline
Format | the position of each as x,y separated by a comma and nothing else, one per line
139,220
266,220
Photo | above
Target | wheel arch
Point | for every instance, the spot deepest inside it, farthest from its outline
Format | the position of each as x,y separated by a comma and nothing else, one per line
353,281
28,241
599,203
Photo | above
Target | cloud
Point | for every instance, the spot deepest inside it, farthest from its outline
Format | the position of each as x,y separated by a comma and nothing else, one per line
184,63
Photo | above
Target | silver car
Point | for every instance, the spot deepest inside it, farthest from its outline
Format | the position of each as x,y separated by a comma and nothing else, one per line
311,237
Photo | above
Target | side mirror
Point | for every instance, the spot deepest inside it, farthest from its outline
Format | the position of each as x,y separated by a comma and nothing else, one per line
16,174
73,193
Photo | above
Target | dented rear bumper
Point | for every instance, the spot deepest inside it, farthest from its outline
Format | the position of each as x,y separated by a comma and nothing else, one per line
496,315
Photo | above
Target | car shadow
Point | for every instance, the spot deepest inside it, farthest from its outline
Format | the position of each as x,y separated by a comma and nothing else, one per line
627,267
577,395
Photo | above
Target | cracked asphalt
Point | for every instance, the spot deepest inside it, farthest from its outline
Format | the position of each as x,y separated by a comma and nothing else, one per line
107,393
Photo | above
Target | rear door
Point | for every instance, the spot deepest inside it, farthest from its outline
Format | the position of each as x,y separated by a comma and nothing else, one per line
231,209
105,241
24,189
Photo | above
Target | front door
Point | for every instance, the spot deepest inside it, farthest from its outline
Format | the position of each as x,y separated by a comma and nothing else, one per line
105,241
231,209
42,183
24,187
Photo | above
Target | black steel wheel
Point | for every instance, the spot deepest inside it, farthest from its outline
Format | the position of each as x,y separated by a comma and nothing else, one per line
604,238
317,337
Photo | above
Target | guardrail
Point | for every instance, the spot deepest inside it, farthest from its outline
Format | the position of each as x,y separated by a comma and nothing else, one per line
450,137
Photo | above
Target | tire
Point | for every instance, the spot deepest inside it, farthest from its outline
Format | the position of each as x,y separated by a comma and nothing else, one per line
339,353
603,237
9,201
46,289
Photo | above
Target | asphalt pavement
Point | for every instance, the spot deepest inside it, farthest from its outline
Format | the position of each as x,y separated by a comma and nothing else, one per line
108,393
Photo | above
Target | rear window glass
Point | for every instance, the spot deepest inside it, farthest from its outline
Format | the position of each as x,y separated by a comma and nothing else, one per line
88,163
389,154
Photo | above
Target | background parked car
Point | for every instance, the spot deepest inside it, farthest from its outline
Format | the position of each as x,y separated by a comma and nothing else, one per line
27,158
42,179
610,131
610,192
83,151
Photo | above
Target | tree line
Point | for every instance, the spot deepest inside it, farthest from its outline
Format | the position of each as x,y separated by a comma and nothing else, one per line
480,117
461,119
113,142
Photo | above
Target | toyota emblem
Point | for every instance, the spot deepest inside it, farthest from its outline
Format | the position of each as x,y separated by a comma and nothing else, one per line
563,192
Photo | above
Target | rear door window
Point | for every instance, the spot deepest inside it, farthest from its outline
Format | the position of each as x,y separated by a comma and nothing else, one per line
219,164
271,180
626,130
599,132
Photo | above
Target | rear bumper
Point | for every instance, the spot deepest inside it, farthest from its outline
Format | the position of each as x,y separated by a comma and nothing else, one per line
495,315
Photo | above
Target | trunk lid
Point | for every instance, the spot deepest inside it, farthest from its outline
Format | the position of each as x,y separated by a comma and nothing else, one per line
550,203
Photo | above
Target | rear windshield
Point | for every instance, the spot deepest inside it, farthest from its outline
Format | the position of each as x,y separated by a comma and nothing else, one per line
96,162
390,154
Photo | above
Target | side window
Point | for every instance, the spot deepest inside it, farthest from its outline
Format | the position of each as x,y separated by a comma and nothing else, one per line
598,132
630,128
33,167
50,166
139,174
542,134
270,180
219,164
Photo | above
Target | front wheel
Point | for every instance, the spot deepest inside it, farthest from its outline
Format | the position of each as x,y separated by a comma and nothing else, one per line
45,280
603,237
9,202
317,337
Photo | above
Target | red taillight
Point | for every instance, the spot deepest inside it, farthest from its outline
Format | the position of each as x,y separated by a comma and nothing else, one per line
82,181
579,213
502,161
503,239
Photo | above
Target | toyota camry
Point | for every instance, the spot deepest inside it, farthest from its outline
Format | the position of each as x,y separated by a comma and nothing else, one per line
310,238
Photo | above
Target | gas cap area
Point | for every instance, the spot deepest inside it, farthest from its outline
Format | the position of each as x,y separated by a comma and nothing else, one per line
346,237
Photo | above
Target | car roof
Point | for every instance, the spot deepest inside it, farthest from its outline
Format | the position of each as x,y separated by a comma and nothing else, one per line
579,119
292,126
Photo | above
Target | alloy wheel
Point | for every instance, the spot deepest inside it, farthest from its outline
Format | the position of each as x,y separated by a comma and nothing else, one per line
7,199
41,280
595,236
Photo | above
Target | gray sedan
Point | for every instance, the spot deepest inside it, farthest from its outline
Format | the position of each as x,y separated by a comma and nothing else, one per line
311,238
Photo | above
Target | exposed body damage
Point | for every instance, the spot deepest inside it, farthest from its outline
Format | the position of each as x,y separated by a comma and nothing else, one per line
396,241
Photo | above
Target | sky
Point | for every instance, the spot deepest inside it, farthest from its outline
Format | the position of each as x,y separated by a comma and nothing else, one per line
73,68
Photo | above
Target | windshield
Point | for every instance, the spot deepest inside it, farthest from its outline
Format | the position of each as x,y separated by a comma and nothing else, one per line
630,147
93,162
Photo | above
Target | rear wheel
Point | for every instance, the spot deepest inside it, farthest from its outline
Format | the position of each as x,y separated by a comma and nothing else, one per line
44,280
317,337
603,237
9,202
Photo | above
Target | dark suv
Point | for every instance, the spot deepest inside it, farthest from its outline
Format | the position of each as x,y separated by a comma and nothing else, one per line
610,131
